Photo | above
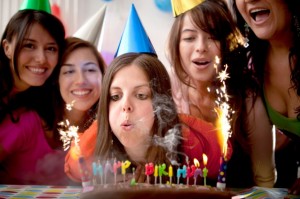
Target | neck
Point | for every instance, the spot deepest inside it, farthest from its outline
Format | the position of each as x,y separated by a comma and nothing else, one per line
137,154
76,118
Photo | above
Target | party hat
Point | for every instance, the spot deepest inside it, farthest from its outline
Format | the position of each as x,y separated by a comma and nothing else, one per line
92,28
134,37
181,6
43,5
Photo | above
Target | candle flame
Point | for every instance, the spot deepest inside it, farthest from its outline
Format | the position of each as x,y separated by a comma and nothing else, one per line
205,158
196,162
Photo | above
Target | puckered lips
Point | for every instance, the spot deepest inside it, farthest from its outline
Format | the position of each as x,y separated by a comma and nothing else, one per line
127,125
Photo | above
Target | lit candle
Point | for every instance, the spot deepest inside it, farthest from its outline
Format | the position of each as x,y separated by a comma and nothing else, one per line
124,166
161,171
181,172
155,173
205,170
190,173
221,184
170,173
149,169
198,171
115,169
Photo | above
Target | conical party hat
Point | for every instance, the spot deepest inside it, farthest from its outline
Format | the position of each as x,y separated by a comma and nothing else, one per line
92,28
43,5
134,37
181,6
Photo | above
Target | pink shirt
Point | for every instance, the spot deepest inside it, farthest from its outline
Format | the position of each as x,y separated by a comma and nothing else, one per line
29,159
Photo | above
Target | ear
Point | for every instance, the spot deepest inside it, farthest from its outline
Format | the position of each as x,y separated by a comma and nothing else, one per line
7,47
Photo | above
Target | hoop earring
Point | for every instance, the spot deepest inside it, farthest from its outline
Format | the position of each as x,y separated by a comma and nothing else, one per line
247,30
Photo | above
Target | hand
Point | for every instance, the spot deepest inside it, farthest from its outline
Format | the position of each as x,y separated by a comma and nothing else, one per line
295,189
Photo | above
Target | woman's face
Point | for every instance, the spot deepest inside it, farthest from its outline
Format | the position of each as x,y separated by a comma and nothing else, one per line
37,58
131,115
269,19
80,79
198,51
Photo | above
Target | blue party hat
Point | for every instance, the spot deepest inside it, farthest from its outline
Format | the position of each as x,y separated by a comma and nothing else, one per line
43,5
134,37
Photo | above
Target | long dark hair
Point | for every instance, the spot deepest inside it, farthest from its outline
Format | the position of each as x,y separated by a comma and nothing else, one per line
160,86
35,97
258,49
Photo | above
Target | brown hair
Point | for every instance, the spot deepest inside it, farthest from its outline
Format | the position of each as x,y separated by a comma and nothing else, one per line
165,119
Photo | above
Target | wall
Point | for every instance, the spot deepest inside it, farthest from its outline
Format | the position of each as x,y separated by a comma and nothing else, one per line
74,13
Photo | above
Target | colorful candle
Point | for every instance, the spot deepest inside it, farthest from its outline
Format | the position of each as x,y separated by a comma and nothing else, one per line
149,169
161,172
108,167
190,173
205,170
155,173
181,172
170,173
115,169
124,166
198,171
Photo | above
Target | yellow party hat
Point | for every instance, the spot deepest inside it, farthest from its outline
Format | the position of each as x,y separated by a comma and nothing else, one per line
181,6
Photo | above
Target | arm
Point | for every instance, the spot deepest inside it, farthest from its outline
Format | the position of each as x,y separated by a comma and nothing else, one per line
261,141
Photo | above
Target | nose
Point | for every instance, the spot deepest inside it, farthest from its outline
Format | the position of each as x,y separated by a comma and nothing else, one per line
40,56
202,45
80,77
127,107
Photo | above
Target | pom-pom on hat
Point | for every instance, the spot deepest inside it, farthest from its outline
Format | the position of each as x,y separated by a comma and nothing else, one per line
134,37
92,28
181,6
43,5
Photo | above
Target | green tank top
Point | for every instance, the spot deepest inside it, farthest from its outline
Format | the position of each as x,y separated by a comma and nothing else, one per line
291,125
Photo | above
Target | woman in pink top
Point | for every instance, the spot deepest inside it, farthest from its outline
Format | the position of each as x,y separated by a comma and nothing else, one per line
30,48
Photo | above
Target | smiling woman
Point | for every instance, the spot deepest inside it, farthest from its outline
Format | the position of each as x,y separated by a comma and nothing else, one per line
30,49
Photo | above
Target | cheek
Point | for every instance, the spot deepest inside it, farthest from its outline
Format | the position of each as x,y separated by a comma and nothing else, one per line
53,60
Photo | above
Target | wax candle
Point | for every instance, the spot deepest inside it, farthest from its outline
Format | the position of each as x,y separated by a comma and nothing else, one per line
149,169
198,171
124,166
222,173
108,167
161,172
205,170
115,169
181,172
155,173
190,173
170,173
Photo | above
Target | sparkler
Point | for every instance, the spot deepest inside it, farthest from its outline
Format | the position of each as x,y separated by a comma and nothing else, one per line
224,113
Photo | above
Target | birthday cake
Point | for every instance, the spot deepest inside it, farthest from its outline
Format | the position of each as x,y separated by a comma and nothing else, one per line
148,191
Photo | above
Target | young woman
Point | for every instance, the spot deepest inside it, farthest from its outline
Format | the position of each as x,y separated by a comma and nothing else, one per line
31,47
78,85
198,38
273,30
136,113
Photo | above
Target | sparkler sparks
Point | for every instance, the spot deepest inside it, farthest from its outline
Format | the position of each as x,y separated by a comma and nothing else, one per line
67,132
223,109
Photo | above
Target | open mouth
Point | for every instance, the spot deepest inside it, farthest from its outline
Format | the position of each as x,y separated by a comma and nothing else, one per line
259,14
201,63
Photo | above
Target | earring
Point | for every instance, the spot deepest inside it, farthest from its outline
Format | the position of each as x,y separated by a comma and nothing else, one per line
247,30
297,26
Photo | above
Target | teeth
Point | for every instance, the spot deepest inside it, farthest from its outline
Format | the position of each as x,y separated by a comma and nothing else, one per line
257,10
37,70
81,93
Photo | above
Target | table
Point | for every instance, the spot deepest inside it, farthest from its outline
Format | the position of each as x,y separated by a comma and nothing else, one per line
39,191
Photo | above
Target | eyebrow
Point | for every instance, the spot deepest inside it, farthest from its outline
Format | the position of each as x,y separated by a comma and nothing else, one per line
84,64
188,30
32,40
136,87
